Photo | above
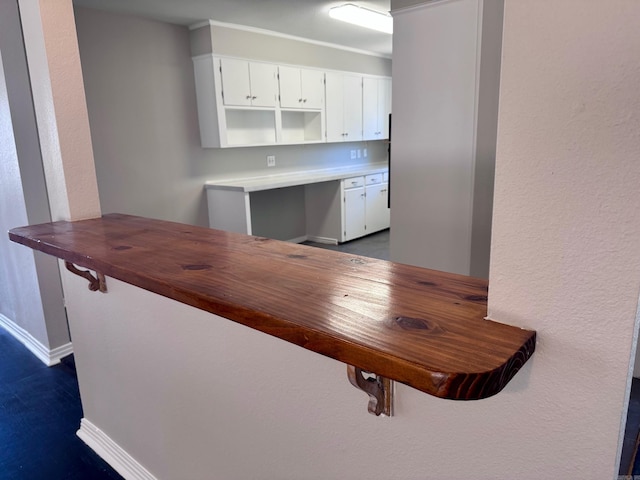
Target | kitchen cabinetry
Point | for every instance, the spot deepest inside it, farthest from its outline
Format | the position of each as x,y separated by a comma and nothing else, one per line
246,103
376,211
343,107
376,107
354,208
237,106
248,83
301,88
301,104
365,206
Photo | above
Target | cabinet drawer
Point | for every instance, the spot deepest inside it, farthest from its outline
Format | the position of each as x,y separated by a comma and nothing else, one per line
353,182
385,177
373,179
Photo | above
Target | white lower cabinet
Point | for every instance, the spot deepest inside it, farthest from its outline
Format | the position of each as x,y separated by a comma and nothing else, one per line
365,206
354,209
341,210
376,210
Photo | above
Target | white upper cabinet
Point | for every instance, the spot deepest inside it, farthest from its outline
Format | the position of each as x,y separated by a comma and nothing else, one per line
301,88
250,84
376,106
343,107
244,103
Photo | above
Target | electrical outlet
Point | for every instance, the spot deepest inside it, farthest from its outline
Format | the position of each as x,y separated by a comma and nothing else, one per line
353,154
359,153
271,160
364,153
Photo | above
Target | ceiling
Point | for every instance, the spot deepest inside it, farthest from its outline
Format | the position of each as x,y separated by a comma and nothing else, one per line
301,18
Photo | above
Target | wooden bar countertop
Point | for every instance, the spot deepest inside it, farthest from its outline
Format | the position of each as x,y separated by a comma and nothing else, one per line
420,327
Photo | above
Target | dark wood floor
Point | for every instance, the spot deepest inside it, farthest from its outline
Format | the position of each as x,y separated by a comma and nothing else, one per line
40,412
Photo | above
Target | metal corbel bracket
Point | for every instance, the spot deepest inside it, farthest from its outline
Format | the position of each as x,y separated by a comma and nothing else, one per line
379,389
97,283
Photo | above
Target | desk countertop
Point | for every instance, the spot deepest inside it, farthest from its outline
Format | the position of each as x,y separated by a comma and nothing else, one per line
292,179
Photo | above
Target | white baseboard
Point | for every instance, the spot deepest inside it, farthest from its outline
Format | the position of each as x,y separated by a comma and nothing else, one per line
112,453
46,356
325,240
301,239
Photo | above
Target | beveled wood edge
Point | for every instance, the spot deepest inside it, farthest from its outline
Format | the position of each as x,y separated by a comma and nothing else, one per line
446,385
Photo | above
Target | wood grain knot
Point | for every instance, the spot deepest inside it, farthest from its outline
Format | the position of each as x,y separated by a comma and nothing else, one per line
409,323
196,267
359,261
122,247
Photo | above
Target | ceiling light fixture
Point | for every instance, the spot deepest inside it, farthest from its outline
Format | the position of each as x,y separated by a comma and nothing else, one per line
364,17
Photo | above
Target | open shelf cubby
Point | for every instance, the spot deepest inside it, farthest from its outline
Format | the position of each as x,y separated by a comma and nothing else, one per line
250,127
301,126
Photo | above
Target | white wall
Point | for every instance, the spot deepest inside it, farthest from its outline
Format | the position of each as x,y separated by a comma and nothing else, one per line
565,251
142,107
248,44
436,54
20,301
31,303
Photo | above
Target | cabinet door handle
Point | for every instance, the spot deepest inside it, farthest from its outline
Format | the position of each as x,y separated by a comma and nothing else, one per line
299,100
383,190
354,183
249,97
253,98
347,134
304,101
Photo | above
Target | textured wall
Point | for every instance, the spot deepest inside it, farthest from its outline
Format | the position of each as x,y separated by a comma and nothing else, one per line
19,292
60,107
24,200
565,253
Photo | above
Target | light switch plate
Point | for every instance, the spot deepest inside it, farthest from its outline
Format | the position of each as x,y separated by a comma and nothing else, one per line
353,154
271,160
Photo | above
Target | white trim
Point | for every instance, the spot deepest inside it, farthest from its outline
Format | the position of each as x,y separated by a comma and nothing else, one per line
301,239
44,354
112,453
418,6
271,33
324,240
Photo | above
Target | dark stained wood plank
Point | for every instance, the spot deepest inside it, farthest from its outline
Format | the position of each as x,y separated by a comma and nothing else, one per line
417,326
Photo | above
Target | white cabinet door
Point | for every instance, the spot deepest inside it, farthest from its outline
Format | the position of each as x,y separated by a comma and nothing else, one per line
312,87
263,84
301,88
343,107
248,83
352,108
370,108
376,106
334,112
290,93
354,213
384,106
377,213
236,87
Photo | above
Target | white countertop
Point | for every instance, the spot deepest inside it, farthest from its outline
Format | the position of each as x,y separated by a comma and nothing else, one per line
292,179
